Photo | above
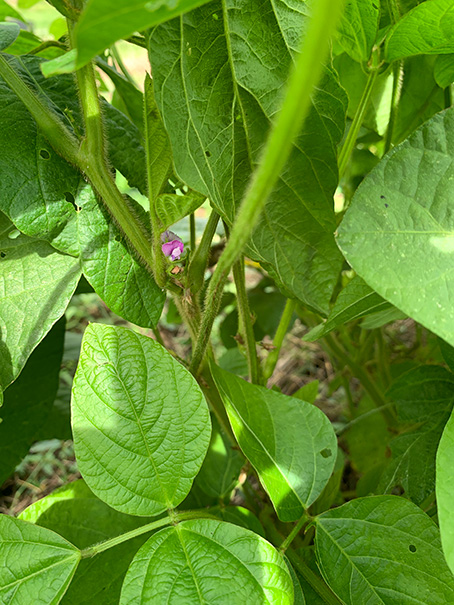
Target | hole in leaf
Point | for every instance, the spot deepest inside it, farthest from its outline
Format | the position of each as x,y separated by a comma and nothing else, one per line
14,234
2,254
44,154
382,197
118,238
412,548
326,453
71,199
208,154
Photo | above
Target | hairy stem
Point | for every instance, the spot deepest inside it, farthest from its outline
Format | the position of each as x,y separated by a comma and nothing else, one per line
173,518
199,260
295,107
245,323
350,141
278,339
295,531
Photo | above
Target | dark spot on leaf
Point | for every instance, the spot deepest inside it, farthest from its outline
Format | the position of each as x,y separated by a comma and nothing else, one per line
118,238
375,6
2,254
71,199
208,154
382,197
326,453
412,548
44,154
386,205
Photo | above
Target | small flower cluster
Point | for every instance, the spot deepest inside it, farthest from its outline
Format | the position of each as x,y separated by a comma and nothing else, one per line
172,245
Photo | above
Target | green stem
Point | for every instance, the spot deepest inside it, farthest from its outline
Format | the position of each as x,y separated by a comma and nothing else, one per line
176,517
199,260
137,41
45,45
116,55
278,339
192,231
350,141
54,129
395,98
292,535
296,104
394,11
245,323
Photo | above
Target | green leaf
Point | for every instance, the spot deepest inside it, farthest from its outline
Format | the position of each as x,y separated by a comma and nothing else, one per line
172,208
8,33
76,514
424,395
64,64
36,565
329,495
36,284
428,29
136,413
297,590
218,74
238,516
221,467
448,353
8,11
383,549
28,401
207,562
358,28
290,443
110,266
354,301
308,392
105,21
398,233
444,70
445,490
157,144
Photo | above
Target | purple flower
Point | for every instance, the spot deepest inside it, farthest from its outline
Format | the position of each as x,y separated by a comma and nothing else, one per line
172,245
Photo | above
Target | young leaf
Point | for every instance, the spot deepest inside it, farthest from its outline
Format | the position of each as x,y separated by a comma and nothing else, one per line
444,70
106,21
290,443
383,549
398,232
36,565
206,561
8,33
445,491
140,422
28,401
172,208
36,284
354,301
218,76
75,513
428,29
358,28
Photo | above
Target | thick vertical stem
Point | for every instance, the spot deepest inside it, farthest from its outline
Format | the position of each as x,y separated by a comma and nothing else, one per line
278,339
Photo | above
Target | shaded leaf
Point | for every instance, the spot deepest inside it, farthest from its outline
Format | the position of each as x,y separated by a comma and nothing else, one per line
290,443
358,28
445,491
136,413
444,70
383,549
8,33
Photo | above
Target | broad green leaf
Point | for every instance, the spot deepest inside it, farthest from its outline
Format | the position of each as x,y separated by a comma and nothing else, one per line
172,208
36,284
428,29
140,422
380,550
36,565
329,495
219,73
444,70
207,562
76,514
110,266
157,144
297,590
64,64
105,21
445,491
354,301
398,232
222,465
28,401
8,33
290,443
425,396
379,319
358,28
238,516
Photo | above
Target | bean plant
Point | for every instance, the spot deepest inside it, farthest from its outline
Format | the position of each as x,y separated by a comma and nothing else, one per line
281,163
